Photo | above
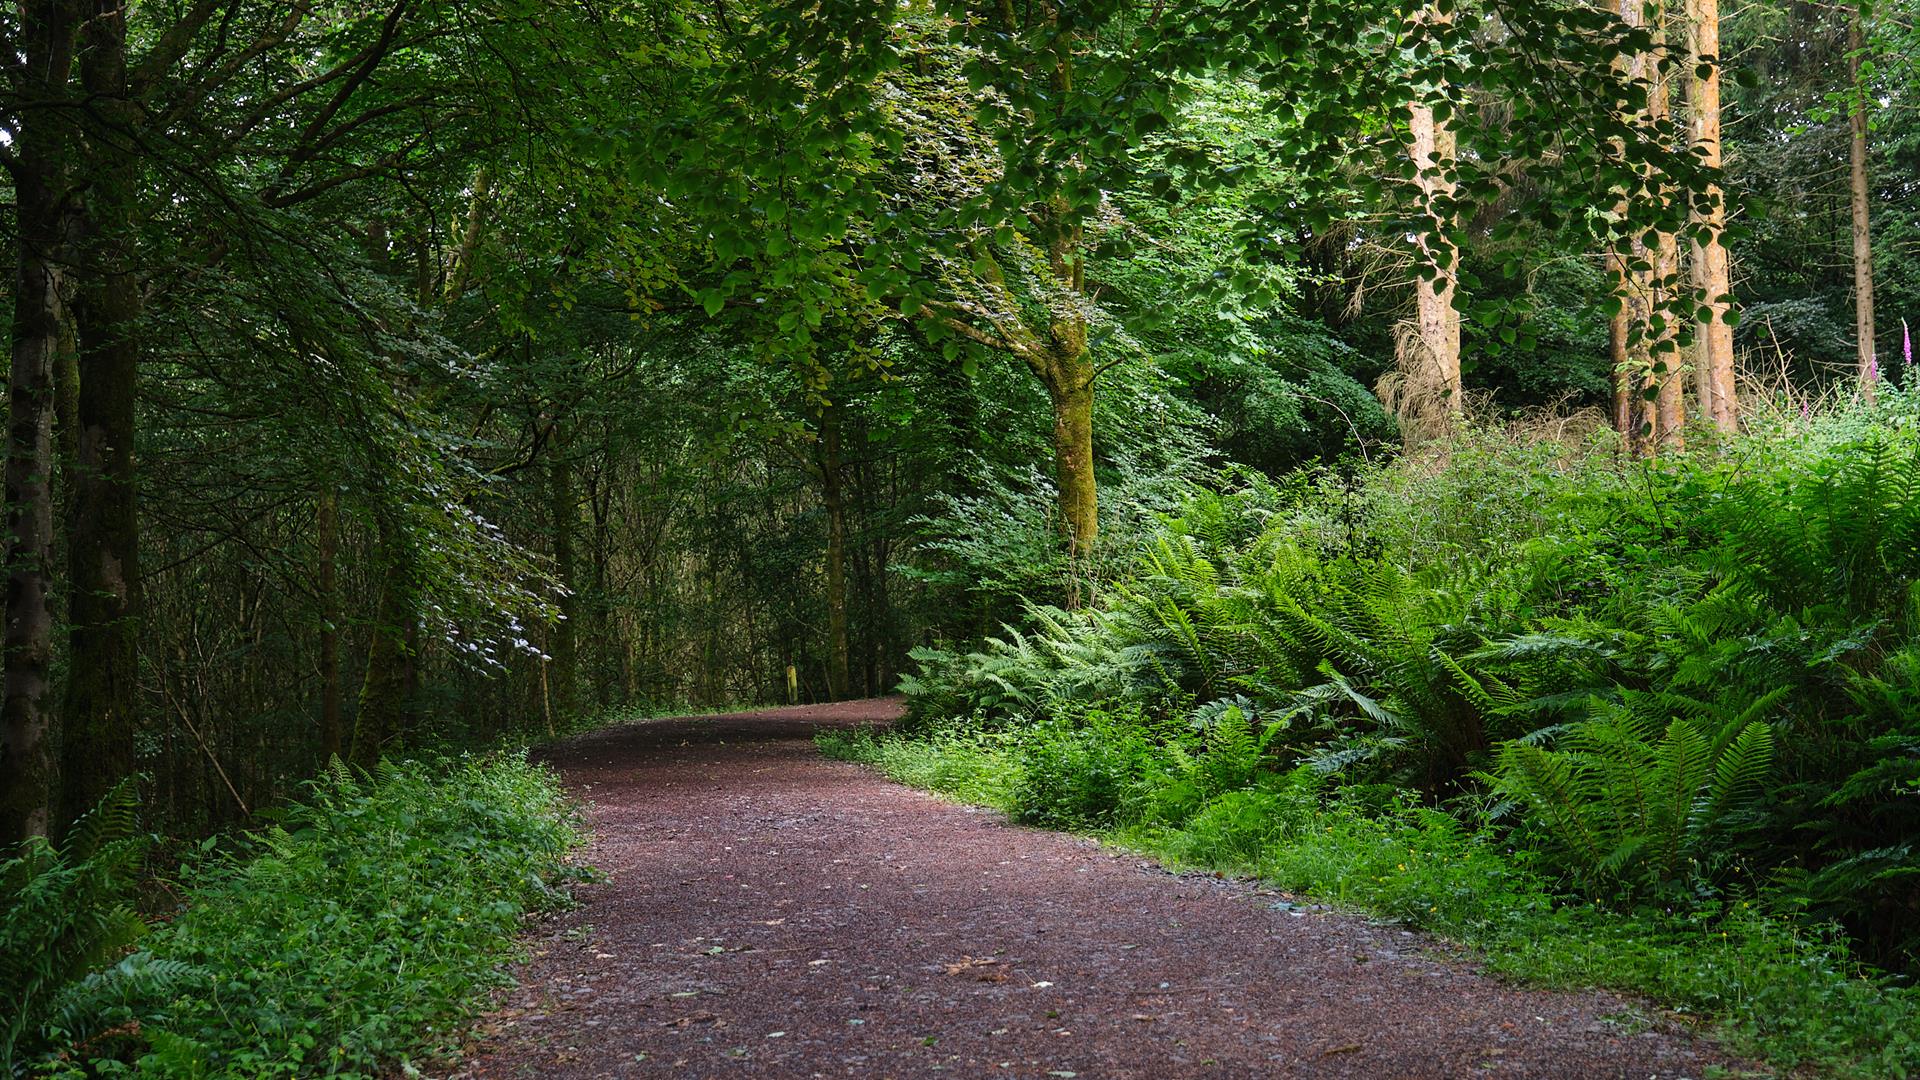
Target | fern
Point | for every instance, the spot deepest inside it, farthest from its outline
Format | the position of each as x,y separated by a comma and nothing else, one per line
66,913
1622,809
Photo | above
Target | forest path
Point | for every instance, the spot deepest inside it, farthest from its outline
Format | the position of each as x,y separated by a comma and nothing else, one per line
771,913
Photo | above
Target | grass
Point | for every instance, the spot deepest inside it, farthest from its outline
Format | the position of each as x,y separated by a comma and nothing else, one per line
1772,990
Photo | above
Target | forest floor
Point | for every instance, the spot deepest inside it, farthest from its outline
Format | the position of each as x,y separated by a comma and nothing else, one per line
770,913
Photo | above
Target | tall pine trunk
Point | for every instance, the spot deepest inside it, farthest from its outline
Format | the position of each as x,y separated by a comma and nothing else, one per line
102,699
1713,360
1626,341
1860,189
1432,148
1669,413
40,335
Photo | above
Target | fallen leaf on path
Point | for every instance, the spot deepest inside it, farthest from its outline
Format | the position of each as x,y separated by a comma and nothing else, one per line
967,963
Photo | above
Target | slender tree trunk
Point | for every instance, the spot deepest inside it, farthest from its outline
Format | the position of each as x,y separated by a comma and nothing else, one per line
1671,403
102,700
1669,371
1626,340
1620,378
327,539
1861,191
833,499
1432,148
1711,275
40,335
564,513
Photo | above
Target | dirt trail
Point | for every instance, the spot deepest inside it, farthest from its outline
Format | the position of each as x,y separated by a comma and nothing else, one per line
770,913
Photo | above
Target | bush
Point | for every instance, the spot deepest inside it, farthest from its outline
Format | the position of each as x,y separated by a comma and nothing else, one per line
1076,773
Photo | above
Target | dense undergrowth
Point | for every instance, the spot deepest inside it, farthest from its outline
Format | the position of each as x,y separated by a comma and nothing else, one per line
359,928
1653,725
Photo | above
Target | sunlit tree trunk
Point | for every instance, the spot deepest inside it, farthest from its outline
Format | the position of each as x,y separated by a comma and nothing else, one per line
1669,415
1713,361
39,168
1432,148
1626,341
1859,187
102,700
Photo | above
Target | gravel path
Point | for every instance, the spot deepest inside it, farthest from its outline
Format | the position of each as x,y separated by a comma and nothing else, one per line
770,913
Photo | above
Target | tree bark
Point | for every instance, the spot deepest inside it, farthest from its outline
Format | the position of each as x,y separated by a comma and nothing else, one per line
1432,147
1070,390
40,335
833,500
102,699
1713,360
1860,188
1669,413
1627,346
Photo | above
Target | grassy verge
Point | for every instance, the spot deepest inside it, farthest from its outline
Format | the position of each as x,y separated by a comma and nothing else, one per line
360,930
1772,990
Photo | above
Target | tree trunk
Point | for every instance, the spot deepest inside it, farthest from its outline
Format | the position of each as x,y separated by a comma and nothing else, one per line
564,512
1669,411
1714,353
40,335
1620,379
1670,406
1070,389
327,538
1433,145
833,499
103,532
1626,333
1860,189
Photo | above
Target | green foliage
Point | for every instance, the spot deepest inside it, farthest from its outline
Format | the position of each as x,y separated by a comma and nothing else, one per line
362,926
1076,771
970,765
67,911
1622,809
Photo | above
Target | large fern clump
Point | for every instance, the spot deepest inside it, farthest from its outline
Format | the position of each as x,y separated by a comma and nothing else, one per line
1633,799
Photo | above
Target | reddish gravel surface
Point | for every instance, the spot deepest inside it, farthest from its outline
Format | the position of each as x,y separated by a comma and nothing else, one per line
770,913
